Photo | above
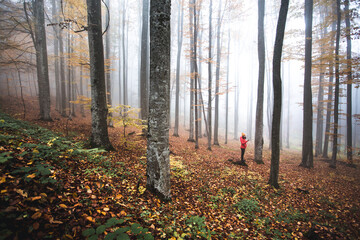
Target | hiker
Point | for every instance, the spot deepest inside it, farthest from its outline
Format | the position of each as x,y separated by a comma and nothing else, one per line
243,147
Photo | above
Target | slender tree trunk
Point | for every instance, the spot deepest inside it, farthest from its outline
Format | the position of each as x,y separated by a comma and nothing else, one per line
210,80
236,108
56,53
320,118
260,96
330,93
99,133
337,83
349,85
275,135
158,162
81,91
307,145
217,81
62,75
178,61
124,37
42,60
288,112
194,59
108,66
227,90
192,73
144,87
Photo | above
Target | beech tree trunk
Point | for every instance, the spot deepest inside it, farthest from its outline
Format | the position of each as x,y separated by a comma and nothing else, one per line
42,60
337,83
275,133
349,85
307,145
144,77
108,66
158,162
217,81
259,142
210,80
178,61
99,131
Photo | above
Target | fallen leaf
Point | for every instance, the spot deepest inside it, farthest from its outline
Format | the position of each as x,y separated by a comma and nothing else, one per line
62,205
31,175
36,215
106,209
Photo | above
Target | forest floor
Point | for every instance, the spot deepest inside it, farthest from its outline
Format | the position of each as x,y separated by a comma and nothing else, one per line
52,186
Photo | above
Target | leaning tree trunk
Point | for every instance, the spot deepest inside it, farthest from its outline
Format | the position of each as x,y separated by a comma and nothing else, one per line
260,96
99,110
337,82
307,145
349,85
275,133
42,60
158,162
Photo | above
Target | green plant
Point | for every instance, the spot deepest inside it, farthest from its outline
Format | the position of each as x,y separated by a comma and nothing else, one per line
247,207
123,232
196,227
5,156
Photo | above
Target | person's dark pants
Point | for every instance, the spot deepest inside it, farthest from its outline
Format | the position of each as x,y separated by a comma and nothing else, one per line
242,154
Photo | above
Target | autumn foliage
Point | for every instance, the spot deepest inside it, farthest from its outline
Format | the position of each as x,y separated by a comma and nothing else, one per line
53,186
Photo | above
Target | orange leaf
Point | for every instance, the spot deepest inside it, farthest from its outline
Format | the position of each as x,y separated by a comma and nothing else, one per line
62,205
36,215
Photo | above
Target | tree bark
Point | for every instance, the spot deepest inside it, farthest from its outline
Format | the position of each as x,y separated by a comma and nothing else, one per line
275,134
42,60
158,163
227,90
260,96
337,83
307,145
99,133
108,66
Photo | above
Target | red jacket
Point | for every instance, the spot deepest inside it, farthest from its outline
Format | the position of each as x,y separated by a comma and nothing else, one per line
243,142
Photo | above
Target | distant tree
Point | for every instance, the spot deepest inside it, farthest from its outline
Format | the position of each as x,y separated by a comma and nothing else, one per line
260,96
275,147
178,61
158,162
307,144
337,83
217,80
349,84
99,110
144,77
196,74
227,90
330,87
192,72
210,78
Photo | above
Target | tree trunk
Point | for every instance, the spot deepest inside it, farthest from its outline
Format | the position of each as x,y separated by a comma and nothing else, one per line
42,60
210,80
275,134
260,96
99,133
337,82
144,87
320,118
62,75
194,59
307,145
124,55
178,61
158,163
217,81
349,85
227,90
192,104
108,65
330,92
56,53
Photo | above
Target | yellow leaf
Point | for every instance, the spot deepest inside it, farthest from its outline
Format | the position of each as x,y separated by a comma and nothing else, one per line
35,151
35,198
31,175
90,219
118,196
2,180
62,205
